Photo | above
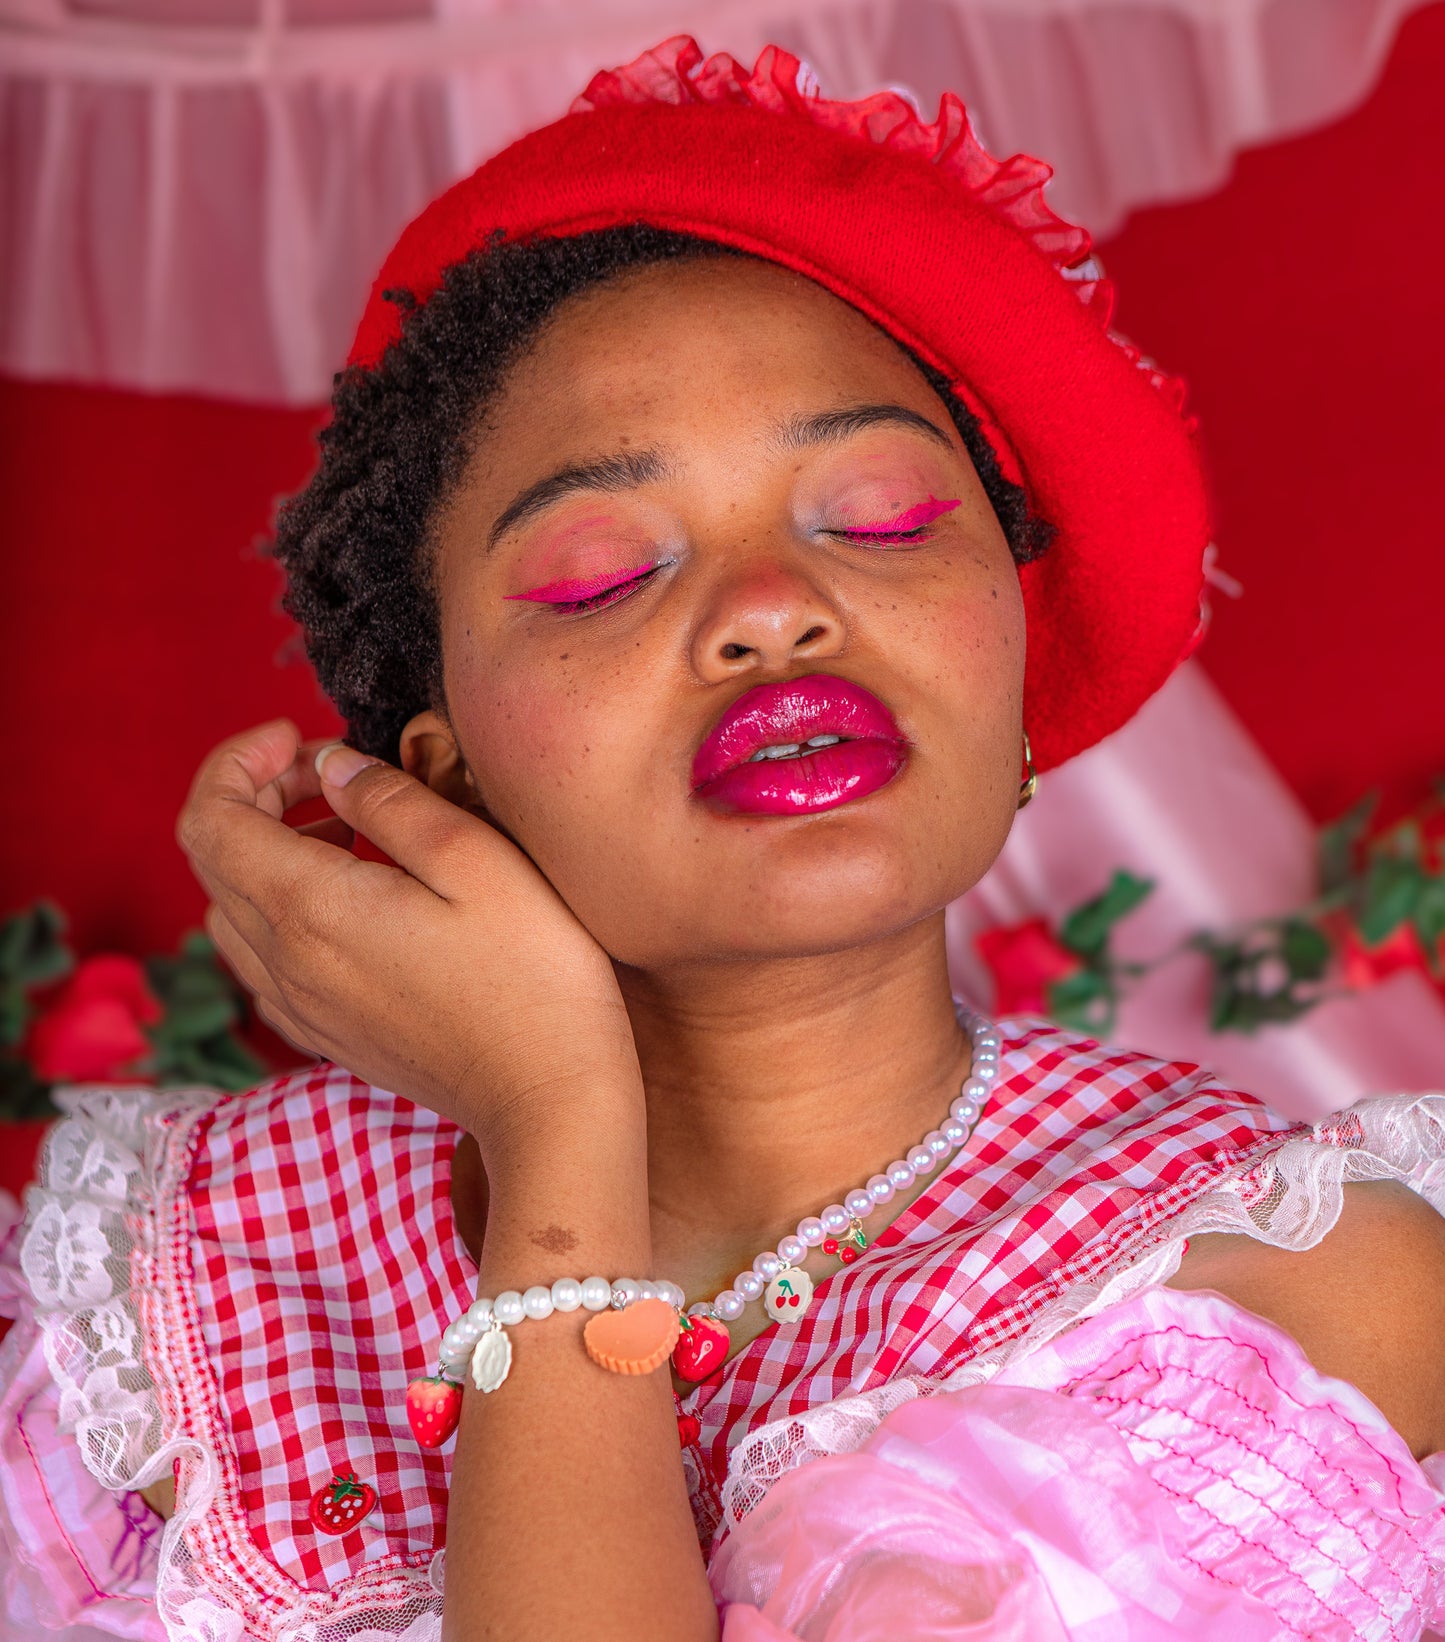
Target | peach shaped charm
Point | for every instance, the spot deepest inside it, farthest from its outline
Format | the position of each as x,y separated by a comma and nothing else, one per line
634,1341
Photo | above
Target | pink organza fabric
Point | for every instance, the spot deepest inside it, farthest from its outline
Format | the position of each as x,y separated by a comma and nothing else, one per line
1173,1468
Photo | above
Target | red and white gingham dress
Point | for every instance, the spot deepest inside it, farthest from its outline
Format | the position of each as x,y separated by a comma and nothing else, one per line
287,1259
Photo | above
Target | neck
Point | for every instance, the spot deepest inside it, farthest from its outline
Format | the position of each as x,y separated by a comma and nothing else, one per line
775,1087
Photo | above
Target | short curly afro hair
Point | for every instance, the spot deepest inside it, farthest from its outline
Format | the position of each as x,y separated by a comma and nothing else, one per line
353,543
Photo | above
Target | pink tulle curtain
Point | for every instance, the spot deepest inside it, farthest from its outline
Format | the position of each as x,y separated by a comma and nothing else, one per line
194,193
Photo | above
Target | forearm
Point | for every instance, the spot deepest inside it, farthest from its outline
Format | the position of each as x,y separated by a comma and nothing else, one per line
568,1512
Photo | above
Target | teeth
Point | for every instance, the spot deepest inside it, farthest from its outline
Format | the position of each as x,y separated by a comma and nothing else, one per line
794,749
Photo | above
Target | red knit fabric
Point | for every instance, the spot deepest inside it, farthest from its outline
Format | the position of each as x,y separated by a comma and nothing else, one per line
949,251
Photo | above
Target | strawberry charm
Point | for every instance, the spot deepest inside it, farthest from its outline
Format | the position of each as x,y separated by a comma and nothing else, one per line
341,1504
689,1429
701,1348
433,1407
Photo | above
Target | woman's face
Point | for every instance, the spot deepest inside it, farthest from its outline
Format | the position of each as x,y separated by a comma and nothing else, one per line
704,478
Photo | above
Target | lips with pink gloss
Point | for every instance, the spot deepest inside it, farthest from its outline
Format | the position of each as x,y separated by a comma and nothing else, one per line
873,751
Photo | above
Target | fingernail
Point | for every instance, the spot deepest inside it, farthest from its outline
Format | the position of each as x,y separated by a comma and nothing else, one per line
336,763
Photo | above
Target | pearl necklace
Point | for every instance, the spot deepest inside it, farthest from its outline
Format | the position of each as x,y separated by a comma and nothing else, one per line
776,1275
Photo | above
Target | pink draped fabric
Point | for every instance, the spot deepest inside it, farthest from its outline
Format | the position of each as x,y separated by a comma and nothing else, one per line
196,193
1172,1469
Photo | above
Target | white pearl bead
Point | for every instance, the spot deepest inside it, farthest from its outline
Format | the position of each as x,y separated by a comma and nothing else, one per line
749,1285
976,1089
455,1367
921,1160
858,1203
728,1305
646,1290
456,1340
881,1189
811,1231
480,1312
767,1265
984,1074
964,1111
792,1250
989,1040
835,1219
672,1294
938,1143
596,1294
508,1308
566,1294
953,1131
624,1292
900,1173
537,1303
700,1308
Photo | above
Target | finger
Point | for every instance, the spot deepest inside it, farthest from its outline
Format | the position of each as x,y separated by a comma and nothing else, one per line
240,850
429,837
333,830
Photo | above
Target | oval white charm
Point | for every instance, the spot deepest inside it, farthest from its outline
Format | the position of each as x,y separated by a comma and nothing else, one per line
492,1360
788,1295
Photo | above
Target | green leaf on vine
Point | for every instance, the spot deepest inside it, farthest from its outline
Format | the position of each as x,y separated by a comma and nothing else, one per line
1392,892
1086,999
1305,949
32,946
1087,928
1338,843
1430,917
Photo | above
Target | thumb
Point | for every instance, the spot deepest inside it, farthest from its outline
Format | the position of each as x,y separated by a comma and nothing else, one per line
422,832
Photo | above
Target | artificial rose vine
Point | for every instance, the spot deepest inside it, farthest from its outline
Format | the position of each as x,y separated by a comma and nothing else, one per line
1380,909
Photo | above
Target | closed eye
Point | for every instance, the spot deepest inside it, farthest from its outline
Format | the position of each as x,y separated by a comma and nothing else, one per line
916,535
608,595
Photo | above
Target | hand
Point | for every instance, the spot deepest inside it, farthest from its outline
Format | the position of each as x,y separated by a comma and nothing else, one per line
458,977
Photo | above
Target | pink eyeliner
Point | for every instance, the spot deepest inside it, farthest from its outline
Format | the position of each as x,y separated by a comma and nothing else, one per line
915,518
571,592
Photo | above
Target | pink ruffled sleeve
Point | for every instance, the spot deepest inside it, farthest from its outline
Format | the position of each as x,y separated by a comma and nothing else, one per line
1172,1469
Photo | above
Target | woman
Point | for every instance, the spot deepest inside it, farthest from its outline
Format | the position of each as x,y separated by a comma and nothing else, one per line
706,466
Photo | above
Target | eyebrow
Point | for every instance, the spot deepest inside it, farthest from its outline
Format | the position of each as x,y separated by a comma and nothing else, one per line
625,471
630,469
830,427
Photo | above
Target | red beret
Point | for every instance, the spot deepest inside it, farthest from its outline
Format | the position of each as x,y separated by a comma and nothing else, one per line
953,253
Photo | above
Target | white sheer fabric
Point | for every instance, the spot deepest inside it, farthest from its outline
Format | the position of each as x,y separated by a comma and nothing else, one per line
194,194
1182,795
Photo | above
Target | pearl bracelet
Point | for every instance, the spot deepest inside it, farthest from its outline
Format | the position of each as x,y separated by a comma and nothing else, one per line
484,1316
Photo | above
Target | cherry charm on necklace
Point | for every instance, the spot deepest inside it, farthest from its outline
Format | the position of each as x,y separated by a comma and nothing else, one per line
788,1295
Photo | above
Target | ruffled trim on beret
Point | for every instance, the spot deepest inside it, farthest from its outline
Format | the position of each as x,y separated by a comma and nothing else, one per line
676,72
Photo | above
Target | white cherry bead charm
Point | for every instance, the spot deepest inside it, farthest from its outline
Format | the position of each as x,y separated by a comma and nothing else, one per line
492,1359
789,1295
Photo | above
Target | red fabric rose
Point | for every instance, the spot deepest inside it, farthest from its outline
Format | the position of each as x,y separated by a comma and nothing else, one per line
92,1030
1366,966
1024,961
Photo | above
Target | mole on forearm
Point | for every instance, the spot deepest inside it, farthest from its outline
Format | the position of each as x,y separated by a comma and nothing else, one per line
555,1239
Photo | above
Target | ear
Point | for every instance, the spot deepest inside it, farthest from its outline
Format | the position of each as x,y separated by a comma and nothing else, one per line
429,752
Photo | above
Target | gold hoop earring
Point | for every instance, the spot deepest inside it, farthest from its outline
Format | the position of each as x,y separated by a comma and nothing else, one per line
1030,783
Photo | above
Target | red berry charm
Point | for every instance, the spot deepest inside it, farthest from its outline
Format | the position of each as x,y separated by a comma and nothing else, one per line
341,1504
689,1429
830,1245
848,1254
702,1347
433,1407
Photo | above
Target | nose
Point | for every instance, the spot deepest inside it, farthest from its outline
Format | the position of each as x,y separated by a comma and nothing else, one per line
764,613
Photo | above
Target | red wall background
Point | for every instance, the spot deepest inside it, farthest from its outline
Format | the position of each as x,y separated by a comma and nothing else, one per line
1303,302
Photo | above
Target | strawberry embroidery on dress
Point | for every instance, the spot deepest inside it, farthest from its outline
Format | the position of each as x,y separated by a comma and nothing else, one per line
341,1504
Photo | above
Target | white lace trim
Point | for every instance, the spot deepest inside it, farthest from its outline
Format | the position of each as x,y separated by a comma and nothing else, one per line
1289,1198
97,1220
